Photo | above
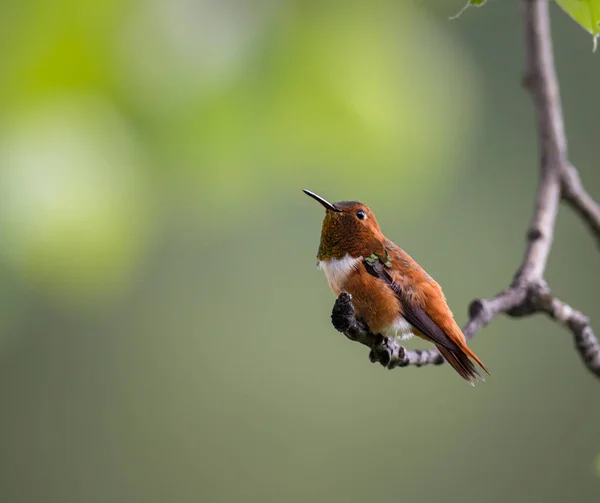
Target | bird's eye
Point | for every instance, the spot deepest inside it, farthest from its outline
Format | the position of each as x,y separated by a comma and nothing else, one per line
361,214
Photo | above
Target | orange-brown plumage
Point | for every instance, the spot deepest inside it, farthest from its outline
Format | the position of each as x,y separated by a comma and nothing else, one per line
390,292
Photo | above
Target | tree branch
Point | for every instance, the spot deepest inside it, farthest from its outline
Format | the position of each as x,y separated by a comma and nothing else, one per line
528,293
540,79
574,194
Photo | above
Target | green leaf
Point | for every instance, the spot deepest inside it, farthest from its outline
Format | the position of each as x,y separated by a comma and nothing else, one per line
585,12
470,3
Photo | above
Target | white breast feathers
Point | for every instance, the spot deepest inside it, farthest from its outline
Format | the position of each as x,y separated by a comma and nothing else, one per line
337,270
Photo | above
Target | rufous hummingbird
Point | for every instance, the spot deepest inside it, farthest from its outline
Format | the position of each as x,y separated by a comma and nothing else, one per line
390,292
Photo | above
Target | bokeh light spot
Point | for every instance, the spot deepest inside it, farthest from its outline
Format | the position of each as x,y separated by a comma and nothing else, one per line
72,202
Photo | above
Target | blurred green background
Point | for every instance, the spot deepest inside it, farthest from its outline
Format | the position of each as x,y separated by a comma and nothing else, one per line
164,332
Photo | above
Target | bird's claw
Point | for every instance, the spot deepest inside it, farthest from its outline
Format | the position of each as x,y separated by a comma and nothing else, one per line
385,351
388,354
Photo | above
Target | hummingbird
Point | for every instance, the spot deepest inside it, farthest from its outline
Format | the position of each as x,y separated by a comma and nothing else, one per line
390,292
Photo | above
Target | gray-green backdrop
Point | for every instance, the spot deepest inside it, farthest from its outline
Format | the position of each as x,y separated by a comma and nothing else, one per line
164,332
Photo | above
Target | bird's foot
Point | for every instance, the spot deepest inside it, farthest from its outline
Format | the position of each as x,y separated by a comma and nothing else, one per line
389,354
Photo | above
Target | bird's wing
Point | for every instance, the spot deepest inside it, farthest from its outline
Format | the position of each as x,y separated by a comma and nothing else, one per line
379,264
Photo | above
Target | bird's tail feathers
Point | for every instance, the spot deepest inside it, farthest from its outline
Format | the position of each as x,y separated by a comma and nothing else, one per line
460,360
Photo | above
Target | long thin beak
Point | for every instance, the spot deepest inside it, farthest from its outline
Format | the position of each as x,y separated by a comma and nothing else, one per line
324,202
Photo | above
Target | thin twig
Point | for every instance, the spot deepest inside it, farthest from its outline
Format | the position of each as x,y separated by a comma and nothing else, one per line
574,194
528,293
585,340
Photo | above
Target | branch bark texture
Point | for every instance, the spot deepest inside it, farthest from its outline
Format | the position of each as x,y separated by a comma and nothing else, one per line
559,180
